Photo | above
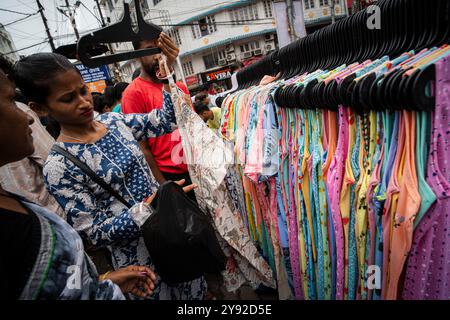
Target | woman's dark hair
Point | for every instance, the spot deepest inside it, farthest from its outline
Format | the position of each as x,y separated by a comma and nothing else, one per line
119,88
53,127
108,96
34,74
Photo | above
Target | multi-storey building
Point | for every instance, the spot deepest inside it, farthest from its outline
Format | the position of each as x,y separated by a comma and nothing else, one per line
214,36
7,46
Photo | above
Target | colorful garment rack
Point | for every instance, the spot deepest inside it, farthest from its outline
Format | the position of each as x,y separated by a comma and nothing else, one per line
349,202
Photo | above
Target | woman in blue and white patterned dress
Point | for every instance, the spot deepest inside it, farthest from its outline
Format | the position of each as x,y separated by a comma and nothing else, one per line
109,146
41,256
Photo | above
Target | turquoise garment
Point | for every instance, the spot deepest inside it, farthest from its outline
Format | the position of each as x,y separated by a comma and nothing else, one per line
427,195
352,254
391,143
319,201
118,108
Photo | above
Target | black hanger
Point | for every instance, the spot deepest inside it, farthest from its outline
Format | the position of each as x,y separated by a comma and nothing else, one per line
119,32
393,90
420,90
364,90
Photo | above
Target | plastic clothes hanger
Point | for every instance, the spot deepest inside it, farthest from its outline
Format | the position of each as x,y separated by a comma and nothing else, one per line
119,32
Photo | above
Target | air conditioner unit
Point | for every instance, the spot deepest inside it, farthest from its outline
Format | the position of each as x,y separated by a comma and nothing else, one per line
229,48
257,52
222,62
247,55
231,57
269,47
269,37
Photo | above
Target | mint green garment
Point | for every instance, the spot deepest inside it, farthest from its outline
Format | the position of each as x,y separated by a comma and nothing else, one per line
118,108
423,128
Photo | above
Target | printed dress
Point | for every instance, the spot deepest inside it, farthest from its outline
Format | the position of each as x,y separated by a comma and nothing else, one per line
117,159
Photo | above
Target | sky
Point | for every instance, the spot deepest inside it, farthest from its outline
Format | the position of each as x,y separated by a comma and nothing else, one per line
32,31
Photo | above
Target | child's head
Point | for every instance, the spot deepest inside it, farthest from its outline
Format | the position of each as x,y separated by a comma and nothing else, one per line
109,100
119,88
54,86
16,141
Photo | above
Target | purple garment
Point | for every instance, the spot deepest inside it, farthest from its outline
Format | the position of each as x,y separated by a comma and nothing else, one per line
428,266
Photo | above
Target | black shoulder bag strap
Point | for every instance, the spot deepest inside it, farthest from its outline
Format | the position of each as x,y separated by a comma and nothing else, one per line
90,173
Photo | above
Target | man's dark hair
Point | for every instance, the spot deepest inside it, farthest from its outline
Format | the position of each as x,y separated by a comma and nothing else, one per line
200,107
119,88
34,74
201,97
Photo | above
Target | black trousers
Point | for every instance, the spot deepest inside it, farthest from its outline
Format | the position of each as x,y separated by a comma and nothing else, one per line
180,176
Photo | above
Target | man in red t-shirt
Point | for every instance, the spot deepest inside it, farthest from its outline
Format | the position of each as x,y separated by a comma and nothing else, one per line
164,154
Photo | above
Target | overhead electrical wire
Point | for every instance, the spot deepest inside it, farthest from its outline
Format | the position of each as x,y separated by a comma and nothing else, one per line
17,12
31,46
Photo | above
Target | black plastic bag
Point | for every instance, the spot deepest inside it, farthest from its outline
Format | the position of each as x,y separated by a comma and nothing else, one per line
180,238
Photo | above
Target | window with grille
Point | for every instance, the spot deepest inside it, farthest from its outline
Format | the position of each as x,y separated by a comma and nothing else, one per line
222,55
175,35
188,68
195,29
211,60
309,4
250,46
268,9
211,20
203,27
244,15
324,3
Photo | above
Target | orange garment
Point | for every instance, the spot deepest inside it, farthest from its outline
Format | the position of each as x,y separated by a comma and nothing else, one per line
391,203
407,208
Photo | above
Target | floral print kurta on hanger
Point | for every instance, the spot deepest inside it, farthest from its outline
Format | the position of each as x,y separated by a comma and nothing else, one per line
208,162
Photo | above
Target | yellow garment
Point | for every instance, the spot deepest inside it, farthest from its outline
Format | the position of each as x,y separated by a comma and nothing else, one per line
215,122
362,205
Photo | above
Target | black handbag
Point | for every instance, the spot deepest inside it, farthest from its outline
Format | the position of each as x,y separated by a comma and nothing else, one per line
180,238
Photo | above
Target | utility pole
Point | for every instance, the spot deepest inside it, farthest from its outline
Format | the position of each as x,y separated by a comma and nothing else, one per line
290,17
101,13
44,20
72,20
